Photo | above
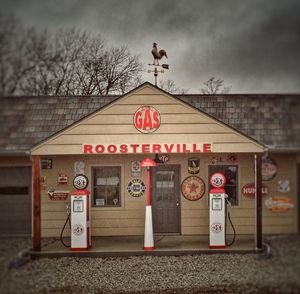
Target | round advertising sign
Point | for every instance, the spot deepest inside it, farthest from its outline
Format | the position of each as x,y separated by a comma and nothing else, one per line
136,188
217,180
193,188
146,119
249,190
80,182
268,169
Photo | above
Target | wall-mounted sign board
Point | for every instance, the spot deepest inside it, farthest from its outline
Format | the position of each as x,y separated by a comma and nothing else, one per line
46,163
147,148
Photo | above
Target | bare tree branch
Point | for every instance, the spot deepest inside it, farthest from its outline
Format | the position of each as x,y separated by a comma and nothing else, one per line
65,62
215,86
170,87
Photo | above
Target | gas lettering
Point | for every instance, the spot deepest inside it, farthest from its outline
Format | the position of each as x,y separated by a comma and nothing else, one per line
146,119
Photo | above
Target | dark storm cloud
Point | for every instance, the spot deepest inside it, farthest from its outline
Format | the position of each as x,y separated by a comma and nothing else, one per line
253,45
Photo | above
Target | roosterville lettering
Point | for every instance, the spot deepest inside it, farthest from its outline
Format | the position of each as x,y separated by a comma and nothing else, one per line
146,148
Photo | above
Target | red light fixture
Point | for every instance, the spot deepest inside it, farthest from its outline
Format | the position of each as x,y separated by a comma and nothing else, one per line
148,162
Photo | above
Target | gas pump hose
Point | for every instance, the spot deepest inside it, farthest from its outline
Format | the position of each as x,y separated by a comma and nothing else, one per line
62,231
233,229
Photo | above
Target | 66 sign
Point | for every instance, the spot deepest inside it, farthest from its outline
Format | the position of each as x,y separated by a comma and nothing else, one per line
146,119
217,180
80,182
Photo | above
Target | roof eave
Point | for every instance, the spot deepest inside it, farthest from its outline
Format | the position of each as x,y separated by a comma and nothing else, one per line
10,153
282,149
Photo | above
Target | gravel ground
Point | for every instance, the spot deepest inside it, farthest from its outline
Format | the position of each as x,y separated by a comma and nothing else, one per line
219,273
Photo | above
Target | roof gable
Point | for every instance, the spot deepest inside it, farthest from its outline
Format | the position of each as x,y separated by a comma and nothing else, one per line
180,123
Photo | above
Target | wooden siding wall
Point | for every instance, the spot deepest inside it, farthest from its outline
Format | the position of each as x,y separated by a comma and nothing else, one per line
179,124
129,218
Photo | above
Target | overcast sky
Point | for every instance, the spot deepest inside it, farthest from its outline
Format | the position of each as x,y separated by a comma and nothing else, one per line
253,45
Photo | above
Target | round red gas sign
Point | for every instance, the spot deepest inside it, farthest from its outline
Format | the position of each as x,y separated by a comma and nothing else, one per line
146,119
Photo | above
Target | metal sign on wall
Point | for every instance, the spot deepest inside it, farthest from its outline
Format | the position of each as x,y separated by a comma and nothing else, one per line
146,119
269,169
279,203
143,148
193,165
62,179
249,190
193,188
58,194
136,188
136,170
46,163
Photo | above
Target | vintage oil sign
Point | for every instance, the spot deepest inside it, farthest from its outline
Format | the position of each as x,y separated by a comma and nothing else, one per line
136,170
146,119
136,188
249,190
62,179
269,169
193,188
193,165
58,194
279,204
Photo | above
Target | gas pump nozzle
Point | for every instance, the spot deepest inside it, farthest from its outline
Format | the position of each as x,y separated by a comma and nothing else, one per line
228,203
68,209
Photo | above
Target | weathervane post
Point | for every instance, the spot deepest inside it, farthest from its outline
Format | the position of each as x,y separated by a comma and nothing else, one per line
157,55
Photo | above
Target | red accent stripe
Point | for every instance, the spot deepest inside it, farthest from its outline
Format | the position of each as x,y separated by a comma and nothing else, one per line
216,246
217,190
149,248
79,249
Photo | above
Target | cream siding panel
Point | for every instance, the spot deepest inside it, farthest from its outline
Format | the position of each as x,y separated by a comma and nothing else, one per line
107,119
221,147
149,138
146,90
178,125
163,129
162,108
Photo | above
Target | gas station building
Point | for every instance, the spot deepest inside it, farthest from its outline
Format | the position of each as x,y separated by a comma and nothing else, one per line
252,139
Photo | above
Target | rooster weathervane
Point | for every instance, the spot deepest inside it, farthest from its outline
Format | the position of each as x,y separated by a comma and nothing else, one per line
158,55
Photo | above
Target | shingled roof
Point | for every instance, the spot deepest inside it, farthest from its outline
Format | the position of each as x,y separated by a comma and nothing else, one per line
26,121
273,120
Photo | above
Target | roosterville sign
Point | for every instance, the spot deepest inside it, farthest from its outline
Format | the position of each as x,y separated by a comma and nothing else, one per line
146,148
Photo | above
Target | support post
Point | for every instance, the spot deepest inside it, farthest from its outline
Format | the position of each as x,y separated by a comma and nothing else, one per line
148,186
258,201
36,197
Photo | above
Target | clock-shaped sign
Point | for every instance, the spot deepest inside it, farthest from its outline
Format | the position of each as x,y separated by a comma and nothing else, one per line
80,182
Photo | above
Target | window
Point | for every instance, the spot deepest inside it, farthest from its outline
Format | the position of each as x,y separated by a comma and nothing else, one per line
231,174
107,186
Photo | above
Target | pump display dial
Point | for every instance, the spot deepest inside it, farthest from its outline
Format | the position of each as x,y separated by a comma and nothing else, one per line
80,182
217,180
